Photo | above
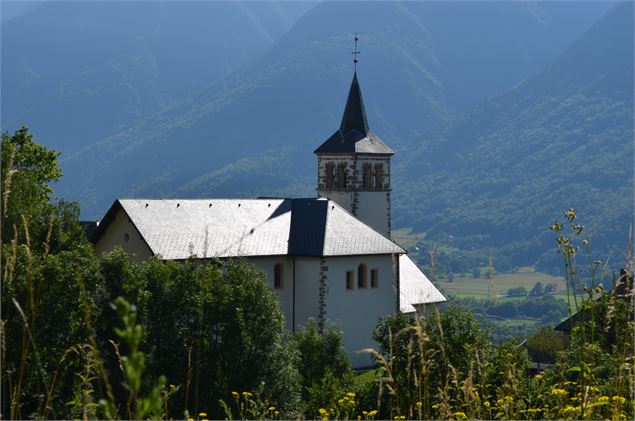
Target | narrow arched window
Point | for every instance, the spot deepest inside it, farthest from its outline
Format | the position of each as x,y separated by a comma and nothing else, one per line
278,276
341,176
367,176
379,176
361,276
329,176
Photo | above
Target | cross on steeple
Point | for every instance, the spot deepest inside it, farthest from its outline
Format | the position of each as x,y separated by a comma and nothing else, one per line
355,52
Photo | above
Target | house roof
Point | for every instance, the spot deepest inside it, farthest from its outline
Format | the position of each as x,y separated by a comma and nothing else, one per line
414,287
623,290
177,229
354,136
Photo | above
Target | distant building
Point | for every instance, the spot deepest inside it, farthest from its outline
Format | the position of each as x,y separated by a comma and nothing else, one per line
622,290
330,258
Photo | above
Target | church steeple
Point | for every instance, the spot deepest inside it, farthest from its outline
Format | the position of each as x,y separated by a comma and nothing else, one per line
354,164
354,117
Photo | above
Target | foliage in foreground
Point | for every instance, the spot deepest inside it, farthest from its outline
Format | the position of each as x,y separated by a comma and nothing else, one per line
83,338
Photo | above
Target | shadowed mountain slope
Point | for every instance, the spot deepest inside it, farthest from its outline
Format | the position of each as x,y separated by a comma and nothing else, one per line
78,71
253,133
500,174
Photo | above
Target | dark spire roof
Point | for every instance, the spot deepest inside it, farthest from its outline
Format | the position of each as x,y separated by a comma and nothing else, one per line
354,117
354,136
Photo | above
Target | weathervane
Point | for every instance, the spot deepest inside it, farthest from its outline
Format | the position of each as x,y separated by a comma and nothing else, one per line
355,52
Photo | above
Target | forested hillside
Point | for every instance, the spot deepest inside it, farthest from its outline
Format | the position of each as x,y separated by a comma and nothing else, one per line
79,71
494,134
499,174
253,133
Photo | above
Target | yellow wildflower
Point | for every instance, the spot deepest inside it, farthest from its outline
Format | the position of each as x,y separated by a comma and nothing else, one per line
372,413
435,406
341,402
460,415
204,419
323,411
202,414
272,408
603,399
235,394
190,419
419,404
539,377
350,394
570,409
558,392
277,413
247,394
364,412
595,389
487,404
618,400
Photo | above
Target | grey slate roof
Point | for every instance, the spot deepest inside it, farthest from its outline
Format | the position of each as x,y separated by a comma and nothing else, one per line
177,229
414,287
354,136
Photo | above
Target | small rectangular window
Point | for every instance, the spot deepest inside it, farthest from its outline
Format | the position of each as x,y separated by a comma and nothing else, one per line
350,280
374,278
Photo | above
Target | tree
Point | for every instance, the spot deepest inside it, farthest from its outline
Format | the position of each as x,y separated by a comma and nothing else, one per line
550,288
537,290
28,169
50,283
517,292
443,345
544,344
213,327
323,364
503,264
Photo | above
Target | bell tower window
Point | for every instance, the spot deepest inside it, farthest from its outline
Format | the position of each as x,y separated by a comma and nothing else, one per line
367,176
379,176
329,176
341,176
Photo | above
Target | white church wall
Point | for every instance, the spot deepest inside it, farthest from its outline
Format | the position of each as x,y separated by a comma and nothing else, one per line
374,210
357,311
342,198
121,232
307,277
285,294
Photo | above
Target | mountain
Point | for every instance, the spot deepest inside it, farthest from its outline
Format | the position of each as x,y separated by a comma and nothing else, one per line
503,172
78,71
253,132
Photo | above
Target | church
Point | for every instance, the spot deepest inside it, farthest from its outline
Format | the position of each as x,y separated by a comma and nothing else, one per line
330,258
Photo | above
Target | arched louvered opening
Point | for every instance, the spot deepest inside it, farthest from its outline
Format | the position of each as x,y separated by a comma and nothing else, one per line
329,176
341,176
379,176
367,177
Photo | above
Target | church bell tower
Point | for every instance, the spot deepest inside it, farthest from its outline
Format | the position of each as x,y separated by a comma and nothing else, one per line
354,166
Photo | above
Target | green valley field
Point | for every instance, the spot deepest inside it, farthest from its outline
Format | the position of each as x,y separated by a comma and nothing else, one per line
463,286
